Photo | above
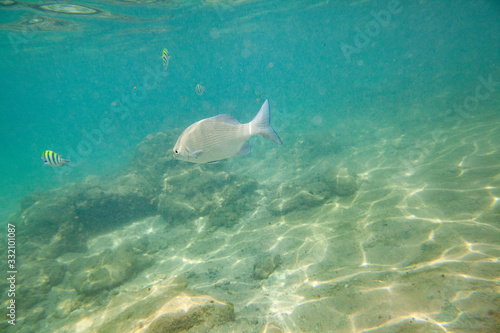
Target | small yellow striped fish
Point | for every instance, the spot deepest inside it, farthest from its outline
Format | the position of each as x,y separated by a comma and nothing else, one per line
200,90
53,159
166,59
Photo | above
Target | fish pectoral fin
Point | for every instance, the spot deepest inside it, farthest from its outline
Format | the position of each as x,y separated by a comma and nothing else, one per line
196,153
245,149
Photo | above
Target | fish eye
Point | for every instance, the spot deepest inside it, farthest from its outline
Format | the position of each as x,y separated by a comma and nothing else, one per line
176,151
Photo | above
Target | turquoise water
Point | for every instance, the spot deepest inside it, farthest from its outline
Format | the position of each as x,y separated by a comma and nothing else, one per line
385,190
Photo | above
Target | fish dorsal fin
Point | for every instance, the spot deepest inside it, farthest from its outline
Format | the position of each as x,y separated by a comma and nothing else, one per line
227,118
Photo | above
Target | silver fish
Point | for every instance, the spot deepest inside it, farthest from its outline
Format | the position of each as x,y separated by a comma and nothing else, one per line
213,139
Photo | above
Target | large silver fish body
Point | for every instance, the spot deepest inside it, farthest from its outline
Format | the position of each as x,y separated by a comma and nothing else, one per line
223,136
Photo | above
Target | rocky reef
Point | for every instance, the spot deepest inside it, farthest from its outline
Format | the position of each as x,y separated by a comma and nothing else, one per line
103,271
216,194
265,265
311,190
170,308
55,226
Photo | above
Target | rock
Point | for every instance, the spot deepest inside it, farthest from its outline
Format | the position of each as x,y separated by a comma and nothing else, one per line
265,265
63,302
69,238
113,202
344,184
185,311
175,211
196,192
299,201
41,214
172,311
37,280
312,190
153,157
60,220
90,275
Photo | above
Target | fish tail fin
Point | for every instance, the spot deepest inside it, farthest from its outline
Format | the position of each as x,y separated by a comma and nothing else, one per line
260,125
65,161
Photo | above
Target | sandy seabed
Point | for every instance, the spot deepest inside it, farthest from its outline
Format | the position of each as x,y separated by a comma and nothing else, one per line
414,249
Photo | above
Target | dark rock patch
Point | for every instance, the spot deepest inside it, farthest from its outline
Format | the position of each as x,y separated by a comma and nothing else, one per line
312,190
196,192
37,279
91,275
265,265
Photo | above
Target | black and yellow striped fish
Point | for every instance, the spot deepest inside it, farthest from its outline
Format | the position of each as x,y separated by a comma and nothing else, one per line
53,159
166,59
